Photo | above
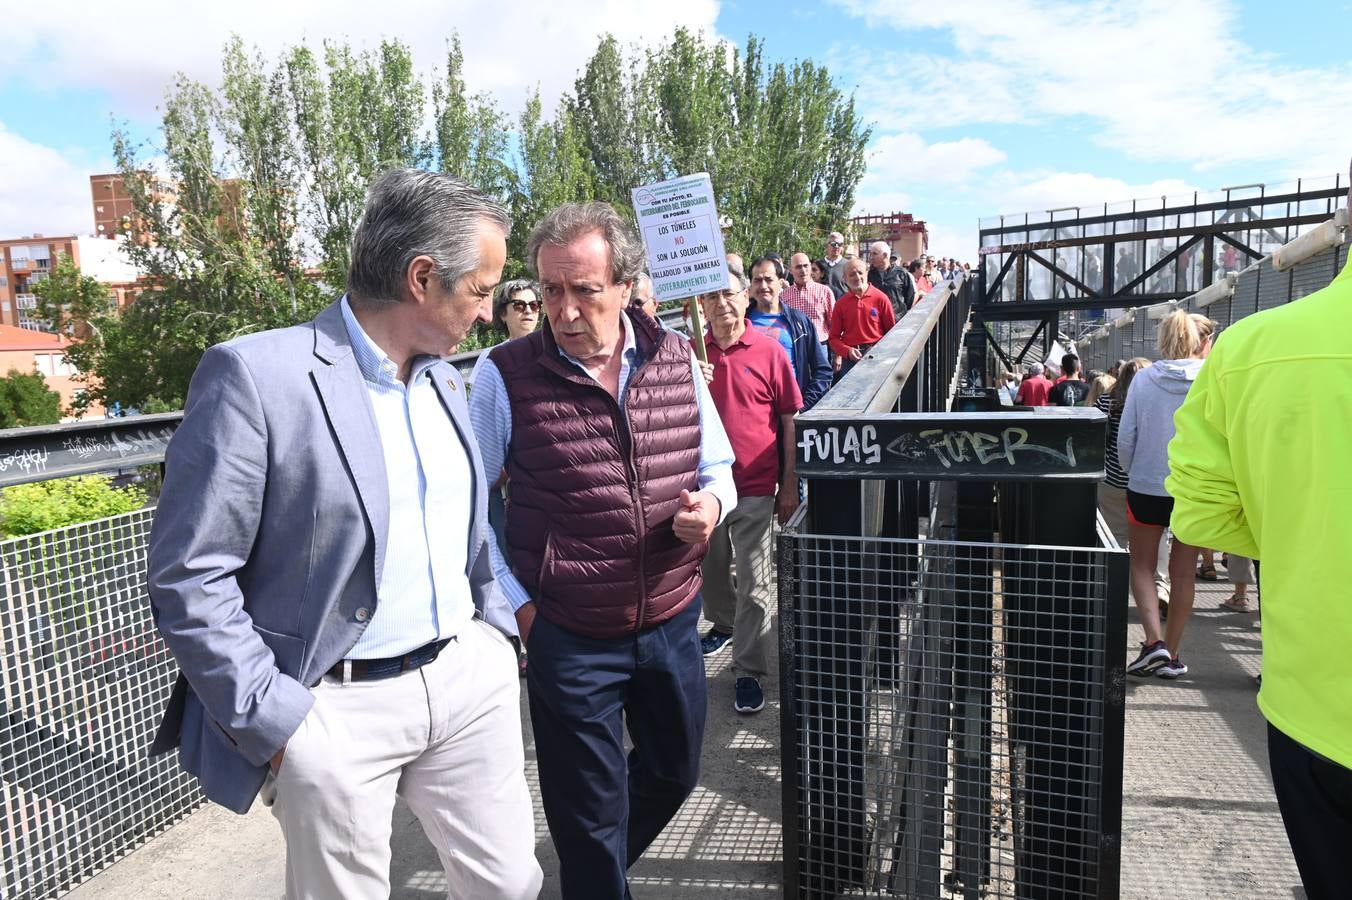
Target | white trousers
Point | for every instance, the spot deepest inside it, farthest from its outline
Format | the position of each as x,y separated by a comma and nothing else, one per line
447,739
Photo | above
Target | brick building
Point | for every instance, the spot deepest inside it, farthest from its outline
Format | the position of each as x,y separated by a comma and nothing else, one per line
908,235
26,350
26,261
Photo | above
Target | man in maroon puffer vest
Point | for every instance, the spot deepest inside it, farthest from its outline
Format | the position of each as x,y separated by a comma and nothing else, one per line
618,472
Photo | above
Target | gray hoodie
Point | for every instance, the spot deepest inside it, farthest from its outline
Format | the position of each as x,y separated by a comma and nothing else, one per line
1147,426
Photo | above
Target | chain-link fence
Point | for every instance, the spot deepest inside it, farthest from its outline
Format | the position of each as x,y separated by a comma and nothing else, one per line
952,718
84,677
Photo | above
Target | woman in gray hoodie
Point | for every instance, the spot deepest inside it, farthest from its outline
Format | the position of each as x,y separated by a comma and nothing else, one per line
1143,438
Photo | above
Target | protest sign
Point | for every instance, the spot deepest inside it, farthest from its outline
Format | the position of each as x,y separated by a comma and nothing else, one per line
678,221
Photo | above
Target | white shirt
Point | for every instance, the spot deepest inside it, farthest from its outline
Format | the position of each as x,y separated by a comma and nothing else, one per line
424,593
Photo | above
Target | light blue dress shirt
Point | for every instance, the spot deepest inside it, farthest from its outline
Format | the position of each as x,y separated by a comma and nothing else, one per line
490,412
424,593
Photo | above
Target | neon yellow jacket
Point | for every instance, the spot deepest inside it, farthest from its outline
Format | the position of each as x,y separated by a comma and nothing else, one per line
1261,465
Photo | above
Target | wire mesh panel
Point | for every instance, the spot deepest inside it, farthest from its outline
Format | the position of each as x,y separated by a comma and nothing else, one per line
83,679
952,718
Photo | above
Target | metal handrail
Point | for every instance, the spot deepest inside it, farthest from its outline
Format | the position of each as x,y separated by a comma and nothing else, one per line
877,380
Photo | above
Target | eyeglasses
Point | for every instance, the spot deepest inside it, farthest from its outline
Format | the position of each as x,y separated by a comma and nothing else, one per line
834,244
726,296
523,305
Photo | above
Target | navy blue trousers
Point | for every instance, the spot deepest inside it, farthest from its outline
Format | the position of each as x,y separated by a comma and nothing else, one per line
605,809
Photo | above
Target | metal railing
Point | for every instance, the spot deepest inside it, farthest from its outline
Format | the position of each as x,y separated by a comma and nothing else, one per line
1068,271
952,626
84,678
1258,287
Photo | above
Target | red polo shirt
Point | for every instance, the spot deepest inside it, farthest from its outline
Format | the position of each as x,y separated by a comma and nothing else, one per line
1033,391
859,320
753,386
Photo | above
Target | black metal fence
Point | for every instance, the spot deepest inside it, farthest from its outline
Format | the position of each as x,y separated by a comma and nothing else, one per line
84,677
1069,271
1258,287
952,639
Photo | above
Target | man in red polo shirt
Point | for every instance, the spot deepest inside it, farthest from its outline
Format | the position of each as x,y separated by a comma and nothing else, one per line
1035,388
756,396
860,317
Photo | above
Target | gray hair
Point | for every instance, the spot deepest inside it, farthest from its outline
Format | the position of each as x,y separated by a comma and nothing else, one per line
643,278
411,213
571,221
506,292
737,279
1035,369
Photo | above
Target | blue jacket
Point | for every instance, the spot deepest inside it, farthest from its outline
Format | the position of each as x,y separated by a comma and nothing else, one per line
811,369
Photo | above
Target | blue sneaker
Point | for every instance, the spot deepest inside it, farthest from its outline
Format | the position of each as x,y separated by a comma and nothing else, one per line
714,641
1152,657
750,697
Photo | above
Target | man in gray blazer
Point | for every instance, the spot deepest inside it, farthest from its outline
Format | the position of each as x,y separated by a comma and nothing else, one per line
319,568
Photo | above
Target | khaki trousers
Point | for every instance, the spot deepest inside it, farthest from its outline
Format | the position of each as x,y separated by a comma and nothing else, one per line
744,609
446,738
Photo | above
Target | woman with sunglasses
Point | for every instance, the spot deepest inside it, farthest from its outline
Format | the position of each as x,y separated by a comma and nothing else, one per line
516,308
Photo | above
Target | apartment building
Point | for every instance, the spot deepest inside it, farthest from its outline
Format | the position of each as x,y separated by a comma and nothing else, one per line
27,261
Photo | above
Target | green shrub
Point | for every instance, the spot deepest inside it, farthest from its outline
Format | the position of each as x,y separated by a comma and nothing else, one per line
44,505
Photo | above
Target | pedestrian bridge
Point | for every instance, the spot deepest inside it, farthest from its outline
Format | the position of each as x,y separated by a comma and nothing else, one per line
933,731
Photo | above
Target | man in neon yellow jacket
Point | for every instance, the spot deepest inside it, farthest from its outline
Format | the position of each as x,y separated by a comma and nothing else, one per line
1261,465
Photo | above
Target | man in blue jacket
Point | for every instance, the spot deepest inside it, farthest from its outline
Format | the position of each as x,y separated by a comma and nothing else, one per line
791,328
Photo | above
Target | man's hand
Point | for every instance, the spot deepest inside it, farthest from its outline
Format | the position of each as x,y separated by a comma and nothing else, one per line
835,365
707,370
856,354
695,521
276,762
525,618
787,501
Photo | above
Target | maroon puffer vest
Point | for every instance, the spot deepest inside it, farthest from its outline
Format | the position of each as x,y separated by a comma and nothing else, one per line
593,489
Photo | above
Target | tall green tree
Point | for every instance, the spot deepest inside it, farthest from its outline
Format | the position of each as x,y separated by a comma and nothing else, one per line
264,176
25,399
471,131
355,116
553,169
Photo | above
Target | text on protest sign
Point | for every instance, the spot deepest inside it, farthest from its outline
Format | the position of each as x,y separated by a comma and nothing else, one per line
678,221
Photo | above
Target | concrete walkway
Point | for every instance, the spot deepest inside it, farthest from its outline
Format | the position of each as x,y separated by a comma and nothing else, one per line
1199,818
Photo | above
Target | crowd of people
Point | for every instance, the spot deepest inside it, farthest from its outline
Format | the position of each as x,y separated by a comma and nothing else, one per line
348,624
383,544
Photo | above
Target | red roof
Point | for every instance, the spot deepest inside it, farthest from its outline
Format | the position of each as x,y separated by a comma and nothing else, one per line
13,338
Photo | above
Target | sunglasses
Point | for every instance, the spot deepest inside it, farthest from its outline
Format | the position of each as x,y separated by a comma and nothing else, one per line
523,305
835,244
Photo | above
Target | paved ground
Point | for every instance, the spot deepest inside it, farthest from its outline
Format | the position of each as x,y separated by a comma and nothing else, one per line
1199,819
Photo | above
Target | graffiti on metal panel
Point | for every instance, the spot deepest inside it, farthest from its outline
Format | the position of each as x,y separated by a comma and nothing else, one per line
984,448
30,459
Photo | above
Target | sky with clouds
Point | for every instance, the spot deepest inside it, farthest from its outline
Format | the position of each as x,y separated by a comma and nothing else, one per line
979,107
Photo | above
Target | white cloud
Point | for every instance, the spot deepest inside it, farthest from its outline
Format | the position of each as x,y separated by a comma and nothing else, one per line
43,190
509,46
907,159
1046,191
1155,79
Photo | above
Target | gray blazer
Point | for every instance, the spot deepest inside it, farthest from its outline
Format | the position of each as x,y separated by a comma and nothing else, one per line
269,540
